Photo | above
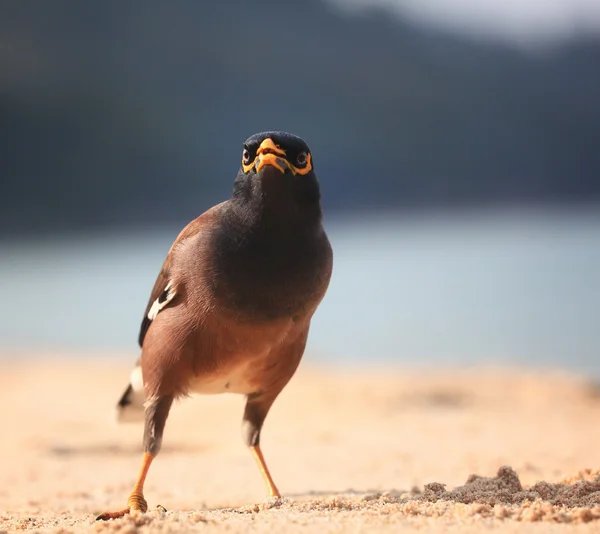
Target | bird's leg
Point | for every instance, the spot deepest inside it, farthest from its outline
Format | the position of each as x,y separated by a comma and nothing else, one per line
260,460
157,411
256,410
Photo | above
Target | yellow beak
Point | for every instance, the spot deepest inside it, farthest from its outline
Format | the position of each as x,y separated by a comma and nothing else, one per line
270,154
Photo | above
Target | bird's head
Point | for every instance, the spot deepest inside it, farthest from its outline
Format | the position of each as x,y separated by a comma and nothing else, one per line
277,166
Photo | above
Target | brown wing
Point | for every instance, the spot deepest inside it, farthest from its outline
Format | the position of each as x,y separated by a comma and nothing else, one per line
160,289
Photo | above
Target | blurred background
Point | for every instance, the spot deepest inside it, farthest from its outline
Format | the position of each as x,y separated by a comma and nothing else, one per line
456,141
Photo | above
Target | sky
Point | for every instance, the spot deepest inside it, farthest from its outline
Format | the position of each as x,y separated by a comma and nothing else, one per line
522,22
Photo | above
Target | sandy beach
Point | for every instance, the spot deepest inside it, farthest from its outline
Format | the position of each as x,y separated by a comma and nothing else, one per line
352,450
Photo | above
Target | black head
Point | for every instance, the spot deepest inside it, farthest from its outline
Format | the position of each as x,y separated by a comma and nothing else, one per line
277,166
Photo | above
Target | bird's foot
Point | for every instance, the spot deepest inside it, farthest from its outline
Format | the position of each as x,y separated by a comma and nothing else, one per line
136,502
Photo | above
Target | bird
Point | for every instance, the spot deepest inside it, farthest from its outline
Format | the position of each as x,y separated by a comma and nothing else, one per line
231,308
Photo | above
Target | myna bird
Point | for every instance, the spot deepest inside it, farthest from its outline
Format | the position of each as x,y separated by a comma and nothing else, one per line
231,308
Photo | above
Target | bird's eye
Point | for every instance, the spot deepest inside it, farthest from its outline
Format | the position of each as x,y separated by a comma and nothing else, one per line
246,156
302,158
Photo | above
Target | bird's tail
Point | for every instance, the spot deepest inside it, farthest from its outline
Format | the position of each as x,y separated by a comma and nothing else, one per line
130,408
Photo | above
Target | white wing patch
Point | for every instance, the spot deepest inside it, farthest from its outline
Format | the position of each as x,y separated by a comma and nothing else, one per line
136,379
165,297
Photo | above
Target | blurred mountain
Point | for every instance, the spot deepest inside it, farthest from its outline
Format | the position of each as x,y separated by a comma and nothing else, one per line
117,113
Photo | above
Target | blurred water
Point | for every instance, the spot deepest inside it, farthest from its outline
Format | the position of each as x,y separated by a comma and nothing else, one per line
508,287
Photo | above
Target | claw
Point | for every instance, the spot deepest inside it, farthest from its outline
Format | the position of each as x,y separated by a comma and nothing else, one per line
112,515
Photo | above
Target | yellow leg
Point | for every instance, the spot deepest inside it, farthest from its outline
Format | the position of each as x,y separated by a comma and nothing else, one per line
260,460
136,499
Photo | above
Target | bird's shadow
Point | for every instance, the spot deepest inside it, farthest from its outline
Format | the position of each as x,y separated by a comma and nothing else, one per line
344,493
314,494
116,450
